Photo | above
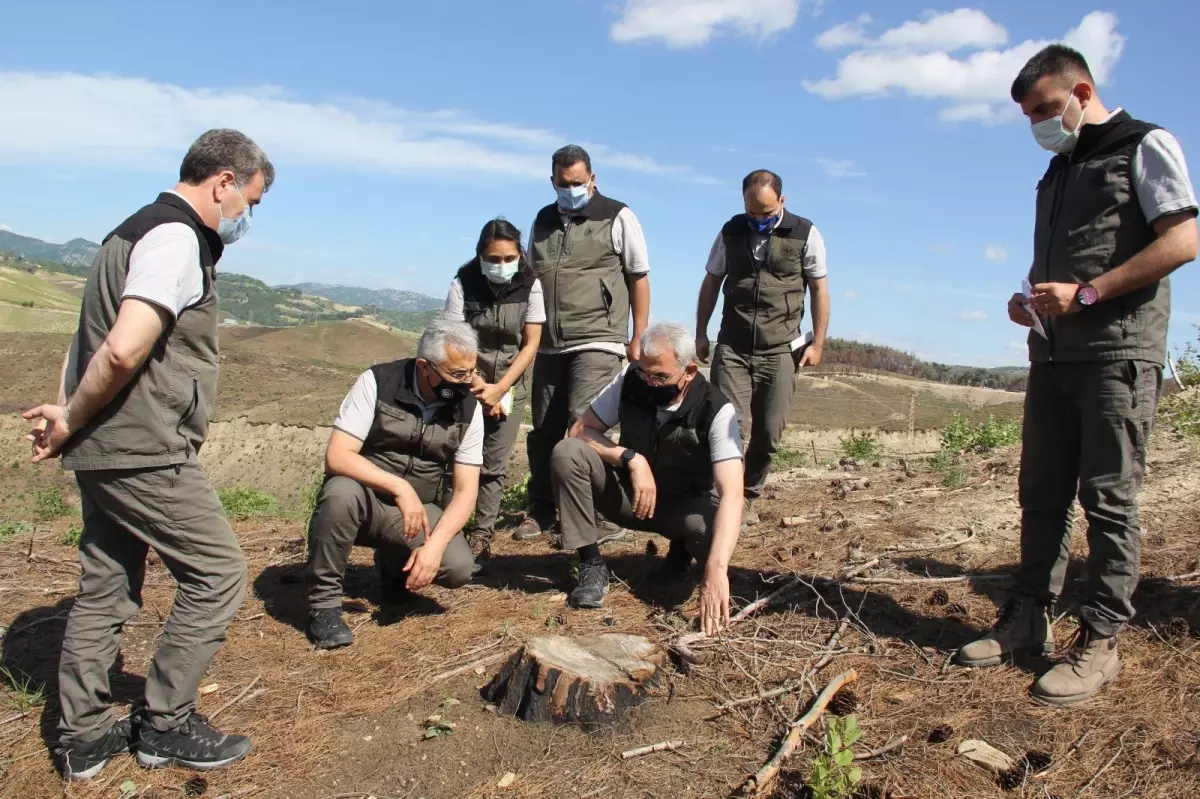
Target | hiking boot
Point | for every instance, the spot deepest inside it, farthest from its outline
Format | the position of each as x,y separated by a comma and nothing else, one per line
194,744
327,630
531,527
609,533
592,586
79,760
1023,628
675,565
481,545
1091,663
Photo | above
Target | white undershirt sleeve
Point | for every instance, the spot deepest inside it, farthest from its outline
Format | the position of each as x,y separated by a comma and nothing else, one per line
629,240
1161,175
724,436
454,302
164,268
470,449
357,413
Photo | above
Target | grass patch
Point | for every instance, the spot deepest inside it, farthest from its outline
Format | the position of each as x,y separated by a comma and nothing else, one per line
861,445
246,503
50,504
951,468
10,529
788,459
25,693
71,537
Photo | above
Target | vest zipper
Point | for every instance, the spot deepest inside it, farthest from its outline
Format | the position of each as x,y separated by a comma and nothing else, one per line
1056,201
557,266
757,285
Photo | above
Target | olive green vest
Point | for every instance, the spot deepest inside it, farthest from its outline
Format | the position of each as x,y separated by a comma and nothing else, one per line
764,302
161,418
583,281
497,313
1089,222
677,450
401,442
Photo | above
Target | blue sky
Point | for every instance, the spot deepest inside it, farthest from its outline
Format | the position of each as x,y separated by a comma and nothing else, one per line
398,129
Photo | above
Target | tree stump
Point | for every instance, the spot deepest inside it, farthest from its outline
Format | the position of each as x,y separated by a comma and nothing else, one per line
592,680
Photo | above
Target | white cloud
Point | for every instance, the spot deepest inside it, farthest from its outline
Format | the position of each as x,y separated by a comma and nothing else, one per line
848,34
973,316
840,169
1018,346
5,228
74,119
692,23
995,252
851,294
917,59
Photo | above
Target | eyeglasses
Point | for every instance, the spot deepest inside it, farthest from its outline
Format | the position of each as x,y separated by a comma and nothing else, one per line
657,379
458,375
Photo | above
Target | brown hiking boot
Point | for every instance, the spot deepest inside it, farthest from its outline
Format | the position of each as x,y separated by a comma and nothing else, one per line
1023,628
481,545
1091,663
532,527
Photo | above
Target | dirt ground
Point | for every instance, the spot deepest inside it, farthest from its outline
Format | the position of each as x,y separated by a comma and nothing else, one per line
350,723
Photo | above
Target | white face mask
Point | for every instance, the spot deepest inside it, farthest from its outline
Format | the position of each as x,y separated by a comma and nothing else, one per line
230,229
1052,135
499,271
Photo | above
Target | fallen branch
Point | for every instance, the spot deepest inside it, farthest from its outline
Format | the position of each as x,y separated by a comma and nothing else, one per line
665,746
1121,740
11,719
900,549
1057,764
883,750
484,661
927,580
234,701
1180,577
758,784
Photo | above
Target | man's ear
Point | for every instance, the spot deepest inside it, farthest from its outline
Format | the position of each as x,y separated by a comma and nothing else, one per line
692,369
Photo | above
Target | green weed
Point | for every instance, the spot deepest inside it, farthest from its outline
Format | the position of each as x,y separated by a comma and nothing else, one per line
10,529
246,503
515,497
26,693
50,504
861,445
71,537
962,435
834,775
788,459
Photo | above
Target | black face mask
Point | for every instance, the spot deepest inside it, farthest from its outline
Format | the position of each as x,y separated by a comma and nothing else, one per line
663,396
448,392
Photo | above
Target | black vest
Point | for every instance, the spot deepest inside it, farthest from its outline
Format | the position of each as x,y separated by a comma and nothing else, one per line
677,450
497,313
401,442
764,301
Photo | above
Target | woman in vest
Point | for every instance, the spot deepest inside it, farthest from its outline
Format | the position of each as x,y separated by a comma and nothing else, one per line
497,294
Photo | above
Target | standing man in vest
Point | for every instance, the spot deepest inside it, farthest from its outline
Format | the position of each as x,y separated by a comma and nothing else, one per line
398,430
766,258
134,403
1115,216
679,441
589,253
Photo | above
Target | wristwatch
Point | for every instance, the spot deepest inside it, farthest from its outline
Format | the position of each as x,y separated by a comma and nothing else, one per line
627,457
1087,295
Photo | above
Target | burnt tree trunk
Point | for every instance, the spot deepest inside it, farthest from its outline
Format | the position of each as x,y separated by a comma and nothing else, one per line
589,680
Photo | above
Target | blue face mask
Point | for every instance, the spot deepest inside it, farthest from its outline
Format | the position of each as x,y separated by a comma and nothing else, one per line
763,225
232,229
499,271
572,198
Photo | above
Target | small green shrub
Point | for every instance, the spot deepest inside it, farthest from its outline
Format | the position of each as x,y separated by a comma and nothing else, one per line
246,503
10,529
834,775
515,497
861,445
50,504
962,435
950,466
71,537
788,459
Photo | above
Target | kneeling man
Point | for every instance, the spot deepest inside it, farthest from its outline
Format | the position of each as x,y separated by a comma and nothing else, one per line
398,430
679,440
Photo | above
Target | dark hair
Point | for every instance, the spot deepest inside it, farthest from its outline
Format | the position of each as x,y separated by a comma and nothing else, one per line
1055,59
763,177
499,229
222,149
569,156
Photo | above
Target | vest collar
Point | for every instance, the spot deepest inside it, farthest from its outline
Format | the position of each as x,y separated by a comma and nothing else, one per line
476,284
215,246
1105,137
593,210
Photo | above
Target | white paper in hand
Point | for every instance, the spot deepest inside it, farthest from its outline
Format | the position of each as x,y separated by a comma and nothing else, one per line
506,403
1037,320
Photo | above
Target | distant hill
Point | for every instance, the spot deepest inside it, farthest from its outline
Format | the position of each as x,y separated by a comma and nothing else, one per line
76,252
384,299
843,355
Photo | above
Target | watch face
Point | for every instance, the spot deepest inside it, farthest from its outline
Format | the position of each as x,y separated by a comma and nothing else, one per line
1088,295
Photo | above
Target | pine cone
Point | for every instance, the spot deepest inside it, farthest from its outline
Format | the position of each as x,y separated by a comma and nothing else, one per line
844,703
196,786
1012,779
1036,760
939,597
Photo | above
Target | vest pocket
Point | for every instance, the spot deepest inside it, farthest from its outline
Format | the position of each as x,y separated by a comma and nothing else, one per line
606,296
188,413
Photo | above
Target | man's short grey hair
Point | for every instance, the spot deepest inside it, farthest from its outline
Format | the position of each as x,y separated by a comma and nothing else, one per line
670,336
222,149
569,156
444,333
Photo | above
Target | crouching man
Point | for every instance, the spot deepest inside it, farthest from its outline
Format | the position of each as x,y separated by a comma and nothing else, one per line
679,440
397,432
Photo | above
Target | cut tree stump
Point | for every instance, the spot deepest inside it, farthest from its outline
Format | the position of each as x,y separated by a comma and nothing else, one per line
590,680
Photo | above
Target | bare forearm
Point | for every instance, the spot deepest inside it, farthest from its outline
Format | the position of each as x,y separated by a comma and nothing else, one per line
62,377
1164,255
519,365
609,452
359,469
727,525
707,303
639,303
456,515
104,379
820,313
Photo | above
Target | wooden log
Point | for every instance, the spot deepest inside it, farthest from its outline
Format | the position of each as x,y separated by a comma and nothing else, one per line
592,680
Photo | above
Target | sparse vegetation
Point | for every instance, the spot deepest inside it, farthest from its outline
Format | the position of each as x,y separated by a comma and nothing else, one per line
246,503
788,459
862,445
72,535
25,693
515,497
10,529
50,504
834,775
963,435
950,466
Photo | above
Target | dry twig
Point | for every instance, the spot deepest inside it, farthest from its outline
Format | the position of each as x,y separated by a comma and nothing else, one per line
665,746
234,701
765,776
484,661
883,750
1057,764
1120,750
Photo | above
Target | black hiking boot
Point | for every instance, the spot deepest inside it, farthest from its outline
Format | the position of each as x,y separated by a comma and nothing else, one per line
592,586
675,565
77,760
327,630
194,744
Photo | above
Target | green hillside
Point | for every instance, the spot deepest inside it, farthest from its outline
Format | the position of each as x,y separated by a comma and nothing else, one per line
37,301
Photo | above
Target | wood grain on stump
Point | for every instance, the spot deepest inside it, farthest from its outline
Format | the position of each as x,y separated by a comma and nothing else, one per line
591,680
